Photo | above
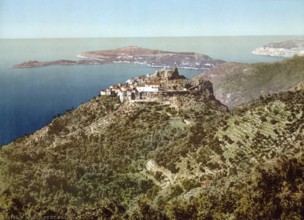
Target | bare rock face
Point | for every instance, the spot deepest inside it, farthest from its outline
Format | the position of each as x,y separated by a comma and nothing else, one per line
171,75
206,87
298,87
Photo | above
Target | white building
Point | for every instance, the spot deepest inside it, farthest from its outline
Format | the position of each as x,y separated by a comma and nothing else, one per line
149,87
106,92
130,81
121,96
140,79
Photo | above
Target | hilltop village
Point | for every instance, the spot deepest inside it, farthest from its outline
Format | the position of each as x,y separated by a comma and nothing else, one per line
149,88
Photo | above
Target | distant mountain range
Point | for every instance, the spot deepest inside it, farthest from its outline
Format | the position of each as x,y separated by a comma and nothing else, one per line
137,55
282,49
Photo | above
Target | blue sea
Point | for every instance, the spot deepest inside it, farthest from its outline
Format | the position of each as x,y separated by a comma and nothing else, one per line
30,98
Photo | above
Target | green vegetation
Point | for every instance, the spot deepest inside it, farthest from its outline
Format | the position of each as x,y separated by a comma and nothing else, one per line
236,83
190,159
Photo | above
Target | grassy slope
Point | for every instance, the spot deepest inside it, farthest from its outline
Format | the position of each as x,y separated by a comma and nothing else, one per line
237,83
153,161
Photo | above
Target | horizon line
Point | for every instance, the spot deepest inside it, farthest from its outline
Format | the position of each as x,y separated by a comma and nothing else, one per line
48,38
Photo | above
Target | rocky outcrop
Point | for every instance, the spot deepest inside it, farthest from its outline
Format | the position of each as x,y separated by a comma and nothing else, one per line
165,75
171,74
299,86
35,63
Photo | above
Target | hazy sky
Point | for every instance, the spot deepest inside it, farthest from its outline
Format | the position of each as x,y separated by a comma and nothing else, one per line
143,18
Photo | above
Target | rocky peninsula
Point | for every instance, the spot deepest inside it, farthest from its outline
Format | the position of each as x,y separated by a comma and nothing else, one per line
35,63
153,58
136,55
282,49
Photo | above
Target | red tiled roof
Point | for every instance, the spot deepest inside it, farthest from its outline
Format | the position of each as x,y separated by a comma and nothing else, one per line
128,89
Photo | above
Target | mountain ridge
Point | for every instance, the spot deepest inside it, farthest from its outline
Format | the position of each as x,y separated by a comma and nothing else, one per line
238,83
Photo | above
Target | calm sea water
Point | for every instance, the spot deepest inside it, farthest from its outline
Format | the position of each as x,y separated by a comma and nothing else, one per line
30,98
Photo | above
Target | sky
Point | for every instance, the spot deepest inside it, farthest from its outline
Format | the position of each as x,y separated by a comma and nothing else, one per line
149,18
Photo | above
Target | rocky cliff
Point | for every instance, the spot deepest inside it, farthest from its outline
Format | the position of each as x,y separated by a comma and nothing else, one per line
297,87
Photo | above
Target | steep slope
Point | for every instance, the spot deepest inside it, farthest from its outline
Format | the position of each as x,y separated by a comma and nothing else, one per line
98,151
297,87
237,83
190,159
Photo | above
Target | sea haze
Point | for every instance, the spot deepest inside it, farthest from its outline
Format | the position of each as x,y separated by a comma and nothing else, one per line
30,98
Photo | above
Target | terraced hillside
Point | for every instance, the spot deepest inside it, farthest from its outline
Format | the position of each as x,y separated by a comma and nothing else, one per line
186,159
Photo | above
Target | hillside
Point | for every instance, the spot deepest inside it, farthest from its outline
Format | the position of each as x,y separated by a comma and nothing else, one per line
188,158
237,83
297,87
